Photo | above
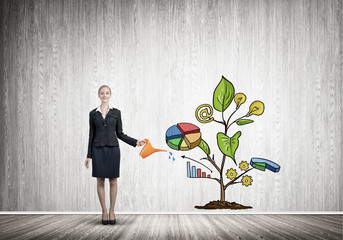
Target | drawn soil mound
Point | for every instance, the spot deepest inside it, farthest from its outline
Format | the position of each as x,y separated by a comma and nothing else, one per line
222,205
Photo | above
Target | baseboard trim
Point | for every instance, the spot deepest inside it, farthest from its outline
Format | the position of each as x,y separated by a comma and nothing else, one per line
209,212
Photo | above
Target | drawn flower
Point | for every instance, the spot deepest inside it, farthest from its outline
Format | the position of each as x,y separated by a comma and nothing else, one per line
246,180
243,165
231,173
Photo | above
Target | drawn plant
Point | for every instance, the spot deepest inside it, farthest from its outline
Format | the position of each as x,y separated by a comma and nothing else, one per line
223,96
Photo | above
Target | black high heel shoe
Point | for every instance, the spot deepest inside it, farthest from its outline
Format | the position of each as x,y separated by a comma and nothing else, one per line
105,222
113,221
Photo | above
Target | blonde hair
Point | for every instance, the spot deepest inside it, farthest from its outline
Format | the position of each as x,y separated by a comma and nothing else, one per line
103,87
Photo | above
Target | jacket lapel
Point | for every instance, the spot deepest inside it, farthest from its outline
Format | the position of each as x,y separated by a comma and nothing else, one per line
110,112
99,115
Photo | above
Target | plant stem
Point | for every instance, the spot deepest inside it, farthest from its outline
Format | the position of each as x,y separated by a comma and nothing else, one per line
222,188
213,163
219,122
224,119
236,121
226,125
233,181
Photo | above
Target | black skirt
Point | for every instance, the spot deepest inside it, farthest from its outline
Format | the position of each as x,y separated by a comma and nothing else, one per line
105,162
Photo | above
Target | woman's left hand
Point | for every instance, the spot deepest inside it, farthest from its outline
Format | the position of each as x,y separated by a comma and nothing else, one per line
140,142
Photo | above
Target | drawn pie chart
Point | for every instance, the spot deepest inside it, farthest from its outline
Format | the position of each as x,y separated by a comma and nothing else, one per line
183,136
263,164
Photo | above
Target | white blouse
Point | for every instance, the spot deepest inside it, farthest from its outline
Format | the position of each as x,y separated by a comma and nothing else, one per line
104,115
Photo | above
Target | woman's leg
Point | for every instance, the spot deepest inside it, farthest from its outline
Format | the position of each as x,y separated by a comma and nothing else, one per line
101,194
113,196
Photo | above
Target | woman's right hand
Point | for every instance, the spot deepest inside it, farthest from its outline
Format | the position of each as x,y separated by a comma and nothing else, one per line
87,162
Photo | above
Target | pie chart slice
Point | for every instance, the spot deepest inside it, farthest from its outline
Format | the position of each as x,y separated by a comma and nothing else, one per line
259,166
193,139
262,164
184,146
173,132
174,143
183,136
187,128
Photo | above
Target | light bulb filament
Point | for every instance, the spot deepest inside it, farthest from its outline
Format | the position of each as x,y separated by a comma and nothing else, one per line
254,109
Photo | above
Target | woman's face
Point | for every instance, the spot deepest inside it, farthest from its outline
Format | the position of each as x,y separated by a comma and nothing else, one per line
105,94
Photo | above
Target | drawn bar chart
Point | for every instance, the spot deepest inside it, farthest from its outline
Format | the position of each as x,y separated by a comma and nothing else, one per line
193,172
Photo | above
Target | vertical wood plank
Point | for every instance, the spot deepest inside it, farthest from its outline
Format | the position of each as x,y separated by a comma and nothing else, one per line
162,59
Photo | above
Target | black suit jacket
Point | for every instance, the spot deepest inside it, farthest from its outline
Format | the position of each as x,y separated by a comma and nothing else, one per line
104,132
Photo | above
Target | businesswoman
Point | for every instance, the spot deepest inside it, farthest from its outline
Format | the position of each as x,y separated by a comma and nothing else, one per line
105,126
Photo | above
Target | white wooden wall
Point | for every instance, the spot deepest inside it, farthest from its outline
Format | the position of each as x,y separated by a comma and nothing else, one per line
163,59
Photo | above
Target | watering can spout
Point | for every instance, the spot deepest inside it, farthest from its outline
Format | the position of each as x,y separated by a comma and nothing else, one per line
148,149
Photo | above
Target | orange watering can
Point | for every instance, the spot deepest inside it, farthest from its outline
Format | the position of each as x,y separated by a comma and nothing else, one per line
147,150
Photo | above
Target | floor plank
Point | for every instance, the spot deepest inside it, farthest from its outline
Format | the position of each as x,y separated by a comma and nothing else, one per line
173,226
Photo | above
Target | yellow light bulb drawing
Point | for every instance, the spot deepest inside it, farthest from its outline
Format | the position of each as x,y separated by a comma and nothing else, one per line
240,99
256,108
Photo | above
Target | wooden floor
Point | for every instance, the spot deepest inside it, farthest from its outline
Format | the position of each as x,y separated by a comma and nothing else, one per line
171,227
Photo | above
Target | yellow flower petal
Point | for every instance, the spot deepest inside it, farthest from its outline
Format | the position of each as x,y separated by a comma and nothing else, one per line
231,173
243,165
246,180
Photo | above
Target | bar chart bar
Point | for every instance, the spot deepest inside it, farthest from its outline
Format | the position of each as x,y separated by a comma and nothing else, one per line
188,169
198,172
193,172
203,174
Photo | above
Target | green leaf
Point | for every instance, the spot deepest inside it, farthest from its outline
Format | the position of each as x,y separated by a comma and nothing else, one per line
223,95
228,145
204,146
244,121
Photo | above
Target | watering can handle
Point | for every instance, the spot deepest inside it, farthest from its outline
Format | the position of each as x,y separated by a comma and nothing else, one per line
146,141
